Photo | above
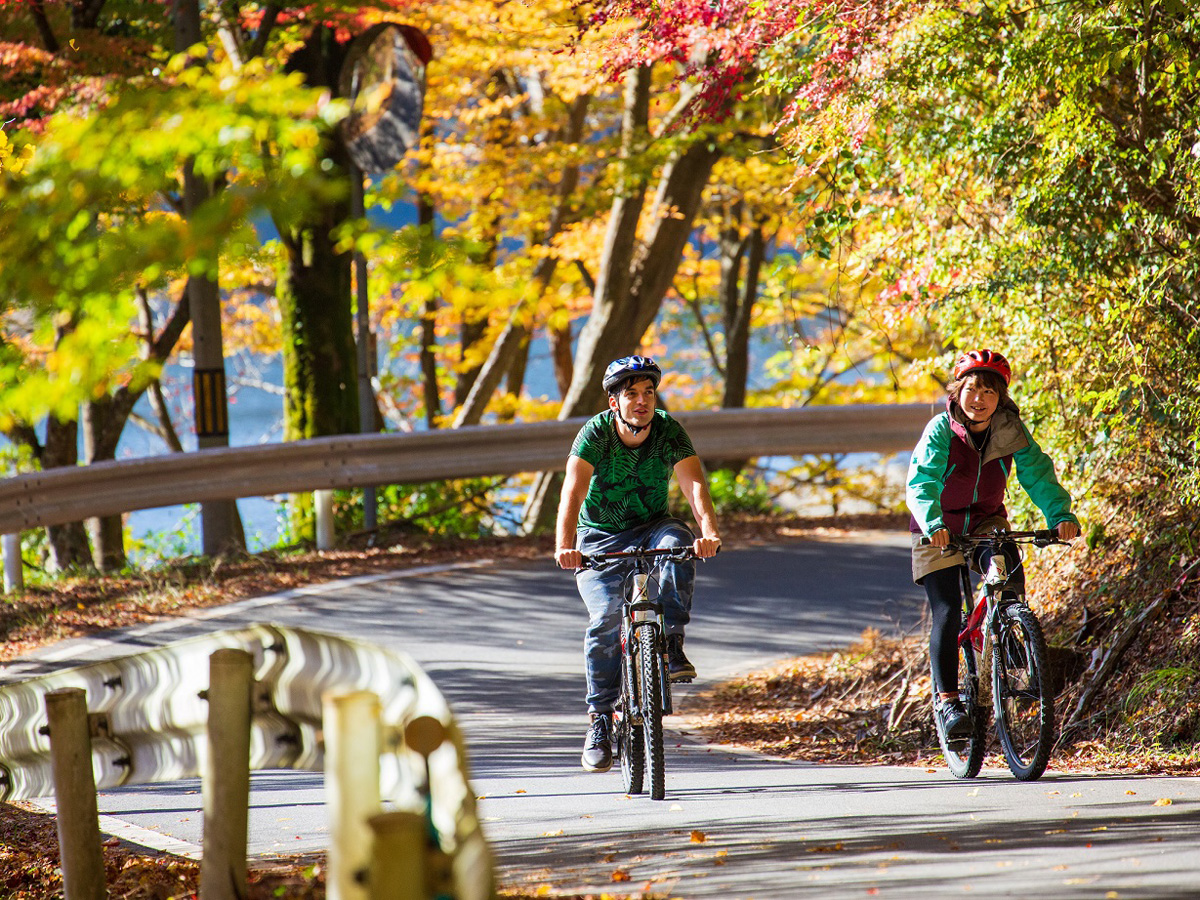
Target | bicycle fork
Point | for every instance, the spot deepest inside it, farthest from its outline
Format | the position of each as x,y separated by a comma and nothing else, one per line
642,612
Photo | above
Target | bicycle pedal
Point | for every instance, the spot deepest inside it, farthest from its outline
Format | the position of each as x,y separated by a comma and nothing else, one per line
681,679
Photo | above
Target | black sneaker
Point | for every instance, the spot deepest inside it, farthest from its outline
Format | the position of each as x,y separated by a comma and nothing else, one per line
597,746
677,664
952,716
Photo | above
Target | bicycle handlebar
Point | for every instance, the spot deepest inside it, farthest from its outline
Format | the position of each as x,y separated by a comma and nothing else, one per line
1043,537
596,560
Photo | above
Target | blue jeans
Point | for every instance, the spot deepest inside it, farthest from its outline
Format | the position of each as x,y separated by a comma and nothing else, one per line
603,593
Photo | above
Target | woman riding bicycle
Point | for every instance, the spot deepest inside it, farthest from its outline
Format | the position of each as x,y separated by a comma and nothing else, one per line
956,484
614,498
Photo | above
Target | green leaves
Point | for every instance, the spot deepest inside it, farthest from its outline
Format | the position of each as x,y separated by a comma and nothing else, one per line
94,213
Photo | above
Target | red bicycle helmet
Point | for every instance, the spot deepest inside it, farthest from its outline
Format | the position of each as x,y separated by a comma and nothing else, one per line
983,359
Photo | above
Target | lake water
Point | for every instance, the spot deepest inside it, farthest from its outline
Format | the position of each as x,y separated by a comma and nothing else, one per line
256,417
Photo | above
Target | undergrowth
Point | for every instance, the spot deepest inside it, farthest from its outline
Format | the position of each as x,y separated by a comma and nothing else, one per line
1121,611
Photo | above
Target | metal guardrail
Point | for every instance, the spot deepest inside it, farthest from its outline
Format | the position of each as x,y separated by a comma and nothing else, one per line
148,718
58,496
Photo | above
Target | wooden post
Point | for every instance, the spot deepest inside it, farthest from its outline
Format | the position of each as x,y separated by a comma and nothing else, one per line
14,571
326,533
352,743
77,815
398,870
226,778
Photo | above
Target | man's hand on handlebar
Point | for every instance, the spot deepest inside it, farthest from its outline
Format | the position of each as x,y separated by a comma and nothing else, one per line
706,548
568,558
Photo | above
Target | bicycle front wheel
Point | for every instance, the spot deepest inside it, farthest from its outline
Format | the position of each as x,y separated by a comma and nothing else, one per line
651,696
1021,692
630,746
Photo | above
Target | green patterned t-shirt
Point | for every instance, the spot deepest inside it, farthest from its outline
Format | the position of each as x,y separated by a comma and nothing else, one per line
629,484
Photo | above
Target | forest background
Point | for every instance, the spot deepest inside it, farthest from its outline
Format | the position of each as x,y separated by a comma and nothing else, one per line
855,189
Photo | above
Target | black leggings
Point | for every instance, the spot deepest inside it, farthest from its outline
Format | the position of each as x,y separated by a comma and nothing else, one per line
944,589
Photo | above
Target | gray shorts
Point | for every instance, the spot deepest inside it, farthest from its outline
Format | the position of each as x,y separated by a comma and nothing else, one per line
927,558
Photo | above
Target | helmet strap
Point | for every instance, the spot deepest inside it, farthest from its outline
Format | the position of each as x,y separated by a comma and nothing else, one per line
636,429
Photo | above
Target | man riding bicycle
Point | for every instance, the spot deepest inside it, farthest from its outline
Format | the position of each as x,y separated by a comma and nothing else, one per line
614,498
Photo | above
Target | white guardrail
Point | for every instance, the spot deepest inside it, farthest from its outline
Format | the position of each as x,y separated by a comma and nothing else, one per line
58,496
150,720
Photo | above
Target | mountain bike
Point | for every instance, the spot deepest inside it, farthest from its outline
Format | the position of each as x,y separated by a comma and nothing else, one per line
645,695
1003,634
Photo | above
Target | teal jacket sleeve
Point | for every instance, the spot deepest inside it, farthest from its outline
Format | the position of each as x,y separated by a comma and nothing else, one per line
1035,473
927,474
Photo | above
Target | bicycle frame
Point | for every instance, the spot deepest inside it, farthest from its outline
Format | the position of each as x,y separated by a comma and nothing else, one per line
996,581
639,609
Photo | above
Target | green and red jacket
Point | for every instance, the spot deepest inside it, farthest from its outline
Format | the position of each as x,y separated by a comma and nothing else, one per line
953,485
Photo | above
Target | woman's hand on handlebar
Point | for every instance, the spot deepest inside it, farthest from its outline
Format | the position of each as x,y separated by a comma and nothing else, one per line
706,548
568,558
1066,531
940,538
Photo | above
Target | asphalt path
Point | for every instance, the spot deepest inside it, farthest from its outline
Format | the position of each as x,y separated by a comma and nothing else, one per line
503,642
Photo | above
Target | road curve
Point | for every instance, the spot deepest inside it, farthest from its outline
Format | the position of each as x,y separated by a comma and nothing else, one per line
504,643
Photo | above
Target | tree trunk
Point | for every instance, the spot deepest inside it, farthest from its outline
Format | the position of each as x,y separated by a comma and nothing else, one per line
741,262
634,275
221,526
470,333
514,379
739,296
316,300
429,374
101,433
505,354
318,348
69,549
104,422
564,360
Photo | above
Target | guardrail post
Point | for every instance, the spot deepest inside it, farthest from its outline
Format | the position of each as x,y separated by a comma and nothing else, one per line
76,811
352,744
14,570
225,781
323,503
398,865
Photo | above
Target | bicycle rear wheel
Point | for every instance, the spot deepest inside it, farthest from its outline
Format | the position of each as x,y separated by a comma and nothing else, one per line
651,697
964,757
1021,689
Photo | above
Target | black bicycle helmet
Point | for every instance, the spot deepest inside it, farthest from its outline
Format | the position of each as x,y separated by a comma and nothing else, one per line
627,366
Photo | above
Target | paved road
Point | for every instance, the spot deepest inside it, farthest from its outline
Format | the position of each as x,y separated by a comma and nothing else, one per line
505,645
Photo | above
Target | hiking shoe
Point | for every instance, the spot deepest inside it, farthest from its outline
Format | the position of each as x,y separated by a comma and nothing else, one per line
953,718
597,746
677,664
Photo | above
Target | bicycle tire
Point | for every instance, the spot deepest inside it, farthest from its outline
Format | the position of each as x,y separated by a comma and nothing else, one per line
1021,691
630,745
633,758
964,758
649,660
